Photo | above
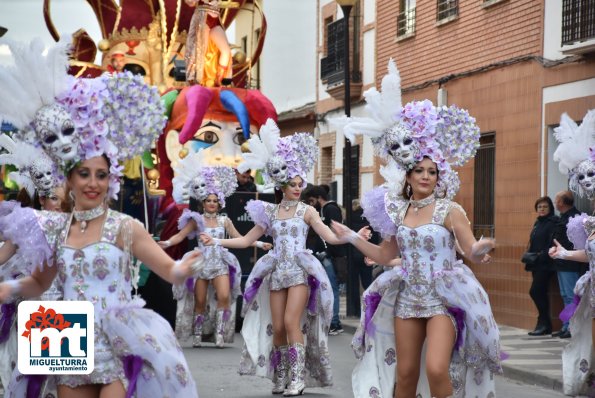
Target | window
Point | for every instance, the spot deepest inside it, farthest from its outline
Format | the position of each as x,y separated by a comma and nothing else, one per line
483,197
406,18
578,21
331,66
447,9
245,45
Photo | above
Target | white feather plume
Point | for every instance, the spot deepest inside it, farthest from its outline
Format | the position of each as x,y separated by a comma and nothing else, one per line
381,107
34,80
575,141
394,175
185,171
262,147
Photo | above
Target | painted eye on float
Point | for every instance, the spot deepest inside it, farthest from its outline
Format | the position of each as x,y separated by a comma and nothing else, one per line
239,138
207,137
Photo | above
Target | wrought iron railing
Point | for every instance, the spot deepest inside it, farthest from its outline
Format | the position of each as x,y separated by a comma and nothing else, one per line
578,21
406,22
331,66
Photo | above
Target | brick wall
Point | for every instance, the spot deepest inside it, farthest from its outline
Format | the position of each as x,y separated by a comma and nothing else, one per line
478,37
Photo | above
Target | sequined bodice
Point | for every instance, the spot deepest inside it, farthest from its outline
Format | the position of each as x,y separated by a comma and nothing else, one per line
98,272
289,236
425,250
213,253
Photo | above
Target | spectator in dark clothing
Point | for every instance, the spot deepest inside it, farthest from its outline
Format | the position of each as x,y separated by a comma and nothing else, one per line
541,239
334,259
568,271
245,182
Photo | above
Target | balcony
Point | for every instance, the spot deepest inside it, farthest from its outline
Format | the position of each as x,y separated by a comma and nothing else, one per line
332,68
578,26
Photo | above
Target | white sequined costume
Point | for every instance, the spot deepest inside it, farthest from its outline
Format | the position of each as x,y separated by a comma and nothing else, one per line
287,264
217,261
100,272
431,281
578,357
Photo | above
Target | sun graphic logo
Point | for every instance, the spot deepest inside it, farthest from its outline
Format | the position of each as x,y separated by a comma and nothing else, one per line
56,337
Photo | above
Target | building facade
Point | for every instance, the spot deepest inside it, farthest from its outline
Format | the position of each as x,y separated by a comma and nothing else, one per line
516,66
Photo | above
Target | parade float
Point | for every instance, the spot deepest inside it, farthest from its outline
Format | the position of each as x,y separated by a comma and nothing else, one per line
206,82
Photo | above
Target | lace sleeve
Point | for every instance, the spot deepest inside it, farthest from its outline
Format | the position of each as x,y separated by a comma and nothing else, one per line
261,214
35,233
374,206
185,218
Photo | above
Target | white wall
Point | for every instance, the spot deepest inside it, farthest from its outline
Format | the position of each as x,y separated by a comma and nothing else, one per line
369,53
552,30
288,60
369,11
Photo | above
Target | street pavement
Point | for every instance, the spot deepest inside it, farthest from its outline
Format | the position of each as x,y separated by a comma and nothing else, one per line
216,373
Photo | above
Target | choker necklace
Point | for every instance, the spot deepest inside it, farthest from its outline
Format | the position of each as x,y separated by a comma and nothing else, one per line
418,204
87,215
286,204
210,215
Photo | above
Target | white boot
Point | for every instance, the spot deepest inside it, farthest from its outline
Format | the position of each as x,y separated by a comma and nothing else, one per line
221,319
296,355
280,366
197,330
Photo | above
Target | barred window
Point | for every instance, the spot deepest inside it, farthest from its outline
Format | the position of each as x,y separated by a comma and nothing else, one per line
331,66
406,18
447,9
578,21
483,197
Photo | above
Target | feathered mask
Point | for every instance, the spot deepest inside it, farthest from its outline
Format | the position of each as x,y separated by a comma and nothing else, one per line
408,133
280,159
36,171
575,153
195,180
76,119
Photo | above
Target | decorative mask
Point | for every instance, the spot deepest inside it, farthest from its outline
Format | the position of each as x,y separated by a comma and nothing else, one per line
55,130
198,187
43,175
585,175
277,169
401,145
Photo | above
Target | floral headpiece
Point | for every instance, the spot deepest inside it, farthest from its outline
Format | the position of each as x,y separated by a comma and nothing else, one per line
575,153
407,133
194,179
280,159
71,119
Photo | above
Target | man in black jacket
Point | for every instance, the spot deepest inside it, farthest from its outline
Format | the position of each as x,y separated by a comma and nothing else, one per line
334,258
568,271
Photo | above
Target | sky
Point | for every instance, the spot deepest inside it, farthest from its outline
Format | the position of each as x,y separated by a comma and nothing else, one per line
24,21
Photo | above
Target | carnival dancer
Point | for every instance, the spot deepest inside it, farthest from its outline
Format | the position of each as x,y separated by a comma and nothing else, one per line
204,25
86,126
576,158
432,300
35,174
288,299
207,301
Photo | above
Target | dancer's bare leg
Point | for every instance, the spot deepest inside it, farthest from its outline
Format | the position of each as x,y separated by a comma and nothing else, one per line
409,339
440,335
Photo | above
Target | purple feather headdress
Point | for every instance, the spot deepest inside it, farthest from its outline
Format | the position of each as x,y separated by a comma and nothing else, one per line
280,158
408,133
